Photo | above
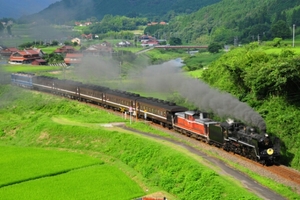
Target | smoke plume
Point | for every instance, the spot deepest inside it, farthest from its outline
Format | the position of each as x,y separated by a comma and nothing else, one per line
169,78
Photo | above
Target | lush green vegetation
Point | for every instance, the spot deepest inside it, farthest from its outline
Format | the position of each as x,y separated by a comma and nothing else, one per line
98,9
29,68
37,34
269,83
69,175
34,119
200,60
20,164
238,22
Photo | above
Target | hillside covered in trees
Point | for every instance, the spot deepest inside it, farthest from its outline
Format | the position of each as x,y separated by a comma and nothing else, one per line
202,22
239,21
269,83
67,10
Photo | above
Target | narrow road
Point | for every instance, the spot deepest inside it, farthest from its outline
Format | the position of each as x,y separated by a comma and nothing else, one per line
144,50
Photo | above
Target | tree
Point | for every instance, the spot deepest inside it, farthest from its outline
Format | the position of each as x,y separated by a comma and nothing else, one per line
54,58
55,43
214,47
280,29
68,43
175,41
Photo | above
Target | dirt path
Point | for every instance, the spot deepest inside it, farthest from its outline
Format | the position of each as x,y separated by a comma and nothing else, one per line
246,181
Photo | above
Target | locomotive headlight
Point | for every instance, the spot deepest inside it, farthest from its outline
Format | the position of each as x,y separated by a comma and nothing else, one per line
270,151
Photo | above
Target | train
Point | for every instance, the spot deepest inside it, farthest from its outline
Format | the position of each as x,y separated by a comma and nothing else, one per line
230,135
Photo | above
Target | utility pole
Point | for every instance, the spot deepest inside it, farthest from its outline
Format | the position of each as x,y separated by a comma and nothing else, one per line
293,35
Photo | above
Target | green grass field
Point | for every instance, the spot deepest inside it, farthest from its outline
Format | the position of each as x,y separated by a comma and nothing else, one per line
35,120
52,124
29,68
20,164
33,173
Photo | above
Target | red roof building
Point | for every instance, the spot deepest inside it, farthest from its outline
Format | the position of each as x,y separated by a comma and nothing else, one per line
39,62
8,51
65,49
89,36
26,56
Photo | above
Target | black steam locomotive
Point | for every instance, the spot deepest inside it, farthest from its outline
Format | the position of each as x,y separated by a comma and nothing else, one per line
231,136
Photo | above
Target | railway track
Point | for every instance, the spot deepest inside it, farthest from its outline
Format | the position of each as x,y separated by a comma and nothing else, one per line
287,175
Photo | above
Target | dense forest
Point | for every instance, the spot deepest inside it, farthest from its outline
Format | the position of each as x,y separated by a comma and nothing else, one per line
201,22
67,10
239,21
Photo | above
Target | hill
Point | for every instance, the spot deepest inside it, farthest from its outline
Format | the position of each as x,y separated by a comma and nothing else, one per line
67,10
237,21
17,8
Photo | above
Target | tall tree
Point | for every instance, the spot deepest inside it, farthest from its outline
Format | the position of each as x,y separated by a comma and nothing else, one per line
280,29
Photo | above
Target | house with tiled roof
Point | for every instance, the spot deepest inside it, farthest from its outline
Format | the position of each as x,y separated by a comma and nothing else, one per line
65,49
87,36
8,51
26,56
149,43
97,49
39,62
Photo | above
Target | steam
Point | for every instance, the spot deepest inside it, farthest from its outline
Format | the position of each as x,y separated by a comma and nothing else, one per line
97,69
169,78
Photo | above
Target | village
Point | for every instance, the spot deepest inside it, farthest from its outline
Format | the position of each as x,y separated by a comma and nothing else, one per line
71,54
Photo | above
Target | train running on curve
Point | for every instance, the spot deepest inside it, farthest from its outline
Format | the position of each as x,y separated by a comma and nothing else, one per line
232,136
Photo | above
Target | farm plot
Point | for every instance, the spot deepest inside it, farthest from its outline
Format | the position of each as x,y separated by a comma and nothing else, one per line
19,164
33,173
95,182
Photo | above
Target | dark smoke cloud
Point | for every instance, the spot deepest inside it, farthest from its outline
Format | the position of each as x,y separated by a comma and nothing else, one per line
169,78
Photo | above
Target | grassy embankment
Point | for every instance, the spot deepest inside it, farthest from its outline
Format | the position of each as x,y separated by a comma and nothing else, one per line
34,120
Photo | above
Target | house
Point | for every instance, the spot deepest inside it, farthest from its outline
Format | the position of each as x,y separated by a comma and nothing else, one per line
145,38
123,44
39,62
40,51
97,49
77,40
87,23
88,37
83,24
65,49
152,23
73,58
26,56
155,23
150,43
8,51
